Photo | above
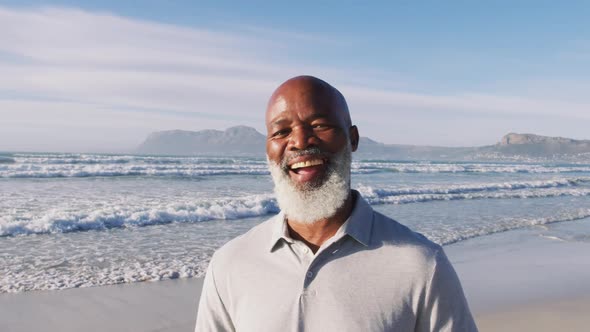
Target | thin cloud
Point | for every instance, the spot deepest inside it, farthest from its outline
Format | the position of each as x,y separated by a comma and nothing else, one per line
103,68
472,102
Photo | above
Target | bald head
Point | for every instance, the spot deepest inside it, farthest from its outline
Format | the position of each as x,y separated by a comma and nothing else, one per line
308,91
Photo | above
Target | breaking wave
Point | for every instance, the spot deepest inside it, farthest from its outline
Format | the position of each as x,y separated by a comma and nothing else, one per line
59,221
506,190
425,167
71,171
136,215
97,165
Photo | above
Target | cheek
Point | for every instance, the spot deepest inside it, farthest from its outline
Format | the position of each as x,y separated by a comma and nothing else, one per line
333,140
274,151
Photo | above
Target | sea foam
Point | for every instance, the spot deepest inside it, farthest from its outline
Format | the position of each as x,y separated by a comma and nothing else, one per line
97,165
503,190
138,213
450,237
167,253
65,221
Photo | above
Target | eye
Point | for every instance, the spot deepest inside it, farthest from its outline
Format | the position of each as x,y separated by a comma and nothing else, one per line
320,126
280,133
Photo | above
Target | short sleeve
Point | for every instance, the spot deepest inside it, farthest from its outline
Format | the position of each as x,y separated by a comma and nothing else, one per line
445,307
212,315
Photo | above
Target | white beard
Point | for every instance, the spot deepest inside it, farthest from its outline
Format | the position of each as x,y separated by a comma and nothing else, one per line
313,203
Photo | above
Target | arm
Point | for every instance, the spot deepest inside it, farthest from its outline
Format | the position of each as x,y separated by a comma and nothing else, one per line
212,315
445,307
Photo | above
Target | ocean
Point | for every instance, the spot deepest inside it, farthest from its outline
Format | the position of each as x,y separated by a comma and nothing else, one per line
78,220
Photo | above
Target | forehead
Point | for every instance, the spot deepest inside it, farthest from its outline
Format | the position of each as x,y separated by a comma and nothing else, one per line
303,104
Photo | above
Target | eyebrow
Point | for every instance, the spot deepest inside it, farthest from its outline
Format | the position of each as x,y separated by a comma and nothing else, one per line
279,122
321,115
318,116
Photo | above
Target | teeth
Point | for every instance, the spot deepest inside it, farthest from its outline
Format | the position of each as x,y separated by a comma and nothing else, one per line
307,163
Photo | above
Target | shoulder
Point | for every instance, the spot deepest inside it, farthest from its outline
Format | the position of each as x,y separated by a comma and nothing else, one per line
389,230
402,242
255,242
382,231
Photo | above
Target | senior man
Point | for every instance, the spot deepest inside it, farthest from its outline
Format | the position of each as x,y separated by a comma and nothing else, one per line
327,261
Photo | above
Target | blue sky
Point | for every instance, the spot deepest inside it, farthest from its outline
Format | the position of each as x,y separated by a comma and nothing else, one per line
80,76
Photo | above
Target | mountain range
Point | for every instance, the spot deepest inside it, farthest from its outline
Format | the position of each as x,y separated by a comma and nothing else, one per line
247,141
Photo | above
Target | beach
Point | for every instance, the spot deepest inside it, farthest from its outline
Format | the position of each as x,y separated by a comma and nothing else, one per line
514,281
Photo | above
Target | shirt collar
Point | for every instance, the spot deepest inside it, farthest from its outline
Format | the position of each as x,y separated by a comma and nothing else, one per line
358,225
279,230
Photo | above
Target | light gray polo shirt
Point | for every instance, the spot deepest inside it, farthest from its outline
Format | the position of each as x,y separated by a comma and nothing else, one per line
374,274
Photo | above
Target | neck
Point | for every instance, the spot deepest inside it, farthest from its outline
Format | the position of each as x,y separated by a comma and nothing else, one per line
316,233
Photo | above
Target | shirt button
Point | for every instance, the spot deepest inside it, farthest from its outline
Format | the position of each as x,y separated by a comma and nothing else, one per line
309,274
305,250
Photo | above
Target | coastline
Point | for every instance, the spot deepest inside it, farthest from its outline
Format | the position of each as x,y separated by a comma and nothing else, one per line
514,281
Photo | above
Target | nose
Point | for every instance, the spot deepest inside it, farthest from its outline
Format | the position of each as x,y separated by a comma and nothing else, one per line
302,137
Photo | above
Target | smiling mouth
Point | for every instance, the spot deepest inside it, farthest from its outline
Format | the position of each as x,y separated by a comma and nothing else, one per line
307,163
309,169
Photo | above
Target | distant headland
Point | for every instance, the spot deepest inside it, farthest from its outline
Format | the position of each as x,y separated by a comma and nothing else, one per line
247,141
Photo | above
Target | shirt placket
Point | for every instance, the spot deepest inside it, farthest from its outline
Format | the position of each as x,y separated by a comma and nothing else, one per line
311,264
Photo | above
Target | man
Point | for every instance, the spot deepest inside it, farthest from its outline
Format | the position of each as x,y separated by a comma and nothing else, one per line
327,262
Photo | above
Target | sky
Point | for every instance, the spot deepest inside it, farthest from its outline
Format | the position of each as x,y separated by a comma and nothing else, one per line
83,76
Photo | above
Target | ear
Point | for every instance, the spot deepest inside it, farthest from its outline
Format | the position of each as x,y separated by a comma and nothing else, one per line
353,133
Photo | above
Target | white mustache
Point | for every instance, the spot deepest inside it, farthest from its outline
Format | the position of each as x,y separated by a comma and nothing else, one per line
312,151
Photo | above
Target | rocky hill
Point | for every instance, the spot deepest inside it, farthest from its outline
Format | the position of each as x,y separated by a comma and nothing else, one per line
513,139
239,140
537,146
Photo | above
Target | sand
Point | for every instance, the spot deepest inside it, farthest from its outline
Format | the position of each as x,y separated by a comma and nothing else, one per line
558,315
519,281
514,281
148,306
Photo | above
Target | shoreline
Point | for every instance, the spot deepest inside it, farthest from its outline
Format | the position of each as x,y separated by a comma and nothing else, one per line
514,281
